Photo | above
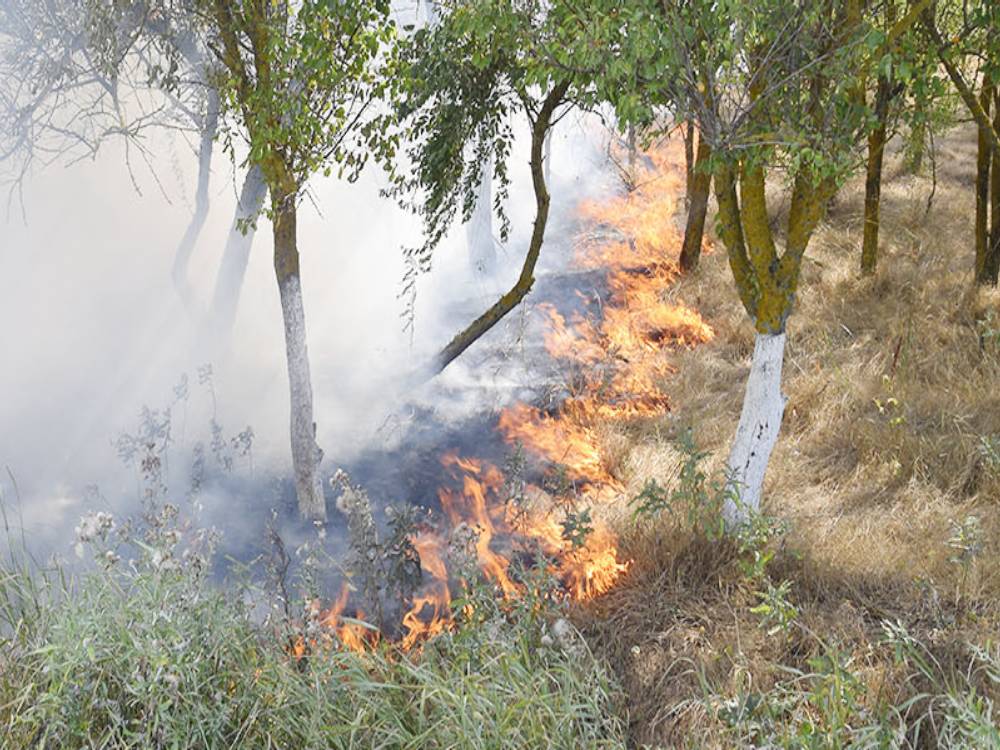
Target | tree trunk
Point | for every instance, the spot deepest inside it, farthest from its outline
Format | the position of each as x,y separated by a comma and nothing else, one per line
917,147
306,454
757,432
526,280
873,180
632,153
984,157
689,157
236,255
479,230
699,185
186,247
993,256
767,284
547,156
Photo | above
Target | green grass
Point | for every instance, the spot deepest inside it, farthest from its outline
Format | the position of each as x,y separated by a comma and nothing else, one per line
156,657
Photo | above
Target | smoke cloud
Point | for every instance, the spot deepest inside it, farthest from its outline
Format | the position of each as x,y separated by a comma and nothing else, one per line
93,328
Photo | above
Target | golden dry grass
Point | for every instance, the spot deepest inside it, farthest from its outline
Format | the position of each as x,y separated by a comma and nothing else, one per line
891,390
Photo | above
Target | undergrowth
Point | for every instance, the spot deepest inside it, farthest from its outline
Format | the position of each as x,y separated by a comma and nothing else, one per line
736,640
148,653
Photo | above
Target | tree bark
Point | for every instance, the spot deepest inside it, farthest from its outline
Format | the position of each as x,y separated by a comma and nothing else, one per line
699,185
993,257
873,179
980,115
540,126
984,157
547,156
201,203
689,157
767,285
757,432
236,255
306,454
730,229
632,153
479,230
918,146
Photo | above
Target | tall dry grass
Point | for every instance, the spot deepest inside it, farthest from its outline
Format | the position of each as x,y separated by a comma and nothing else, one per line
889,445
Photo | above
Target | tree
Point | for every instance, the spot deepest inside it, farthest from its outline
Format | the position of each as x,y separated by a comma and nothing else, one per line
76,76
973,36
472,73
699,187
299,87
774,88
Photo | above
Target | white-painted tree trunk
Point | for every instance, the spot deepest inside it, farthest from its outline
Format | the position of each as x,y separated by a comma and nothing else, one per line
479,230
306,454
232,269
760,422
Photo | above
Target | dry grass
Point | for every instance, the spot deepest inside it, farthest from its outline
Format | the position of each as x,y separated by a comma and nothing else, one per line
891,391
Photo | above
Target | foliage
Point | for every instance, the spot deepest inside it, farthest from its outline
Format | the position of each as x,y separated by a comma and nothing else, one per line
699,501
301,83
469,78
827,706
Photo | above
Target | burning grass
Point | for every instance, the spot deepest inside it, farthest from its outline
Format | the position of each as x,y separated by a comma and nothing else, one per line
151,655
616,362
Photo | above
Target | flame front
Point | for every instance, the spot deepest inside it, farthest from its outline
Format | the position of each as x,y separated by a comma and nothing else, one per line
620,363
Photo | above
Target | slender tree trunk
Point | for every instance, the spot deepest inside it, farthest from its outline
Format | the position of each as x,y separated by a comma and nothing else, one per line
873,180
689,157
984,156
699,185
918,146
236,255
632,153
185,249
547,156
993,258
479,230
526,280
757,432
306,454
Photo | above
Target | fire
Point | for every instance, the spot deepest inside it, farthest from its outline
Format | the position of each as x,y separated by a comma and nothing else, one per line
435,603
619,360
620,356
353,636
567,442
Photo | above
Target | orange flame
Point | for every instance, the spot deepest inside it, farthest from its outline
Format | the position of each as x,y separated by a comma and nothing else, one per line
622,357
353,636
